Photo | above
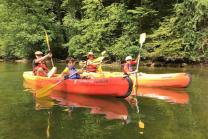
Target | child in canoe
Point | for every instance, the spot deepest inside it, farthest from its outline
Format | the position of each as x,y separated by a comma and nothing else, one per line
70,71
91,65
39,65
128,66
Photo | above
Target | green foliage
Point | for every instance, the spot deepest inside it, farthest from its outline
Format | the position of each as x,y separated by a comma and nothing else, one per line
182,35
113,28
22,27
176,30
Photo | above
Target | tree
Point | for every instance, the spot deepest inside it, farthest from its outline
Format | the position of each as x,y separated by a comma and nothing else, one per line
23,24
113,28
183,35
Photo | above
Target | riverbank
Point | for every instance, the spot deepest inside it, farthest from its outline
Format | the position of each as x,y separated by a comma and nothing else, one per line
146,63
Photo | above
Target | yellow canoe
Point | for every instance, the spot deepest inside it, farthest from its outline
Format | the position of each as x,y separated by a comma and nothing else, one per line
177,80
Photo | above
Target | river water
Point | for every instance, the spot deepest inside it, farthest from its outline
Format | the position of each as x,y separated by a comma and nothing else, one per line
160,114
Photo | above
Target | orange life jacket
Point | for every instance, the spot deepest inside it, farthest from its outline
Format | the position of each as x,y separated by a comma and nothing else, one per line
91,68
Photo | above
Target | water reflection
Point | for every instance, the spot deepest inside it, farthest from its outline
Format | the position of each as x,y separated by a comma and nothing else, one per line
44,103
172,95
111,108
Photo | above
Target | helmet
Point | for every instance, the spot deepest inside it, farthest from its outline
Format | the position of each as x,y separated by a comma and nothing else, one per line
38,53
128,58
90,53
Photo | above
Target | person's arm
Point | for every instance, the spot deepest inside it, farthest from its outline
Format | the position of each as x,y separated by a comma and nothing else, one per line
89,62
80,71
43,58
132,72
126,68
64,72
133,62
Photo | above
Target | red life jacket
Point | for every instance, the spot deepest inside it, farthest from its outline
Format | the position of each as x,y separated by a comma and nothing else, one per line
128,67
36,66
91,68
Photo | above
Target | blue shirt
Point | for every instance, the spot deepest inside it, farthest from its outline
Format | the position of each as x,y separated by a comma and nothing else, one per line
72,73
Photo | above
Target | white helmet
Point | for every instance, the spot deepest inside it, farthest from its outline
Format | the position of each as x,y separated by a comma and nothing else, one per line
128,58
90,53
38,53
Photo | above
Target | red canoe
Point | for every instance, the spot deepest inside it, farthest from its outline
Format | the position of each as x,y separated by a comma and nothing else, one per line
115,86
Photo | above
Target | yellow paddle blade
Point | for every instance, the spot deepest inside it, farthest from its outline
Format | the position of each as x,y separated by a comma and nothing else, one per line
142,38
100,68
103,53
140,124
82,63
45,90
99,59
43,103
46,36
141,132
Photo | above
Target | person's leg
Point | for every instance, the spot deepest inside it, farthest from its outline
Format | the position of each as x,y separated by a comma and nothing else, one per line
52,72
41,72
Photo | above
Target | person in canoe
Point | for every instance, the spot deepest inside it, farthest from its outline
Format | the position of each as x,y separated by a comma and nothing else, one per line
128,65
91,64
70,71
39,65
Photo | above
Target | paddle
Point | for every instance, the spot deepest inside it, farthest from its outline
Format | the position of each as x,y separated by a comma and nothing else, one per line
49,49
141,41
45,90
101,59
48,125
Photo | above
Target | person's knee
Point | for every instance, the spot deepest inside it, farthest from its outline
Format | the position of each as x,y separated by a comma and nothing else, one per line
40,69
52,72
40,72
54,69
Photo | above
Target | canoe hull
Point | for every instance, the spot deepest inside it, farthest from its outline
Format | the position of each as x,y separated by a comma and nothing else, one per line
116,86
176,80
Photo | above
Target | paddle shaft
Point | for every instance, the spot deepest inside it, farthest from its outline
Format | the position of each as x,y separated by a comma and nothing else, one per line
43,91
63,80
138,59
49,49
142,39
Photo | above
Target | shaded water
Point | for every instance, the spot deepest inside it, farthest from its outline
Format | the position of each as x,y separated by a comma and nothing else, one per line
168,114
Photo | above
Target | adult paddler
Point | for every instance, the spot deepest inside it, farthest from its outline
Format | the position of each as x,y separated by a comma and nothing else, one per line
39,65
91,66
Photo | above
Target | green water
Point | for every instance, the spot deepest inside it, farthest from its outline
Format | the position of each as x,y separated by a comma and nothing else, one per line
23,117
